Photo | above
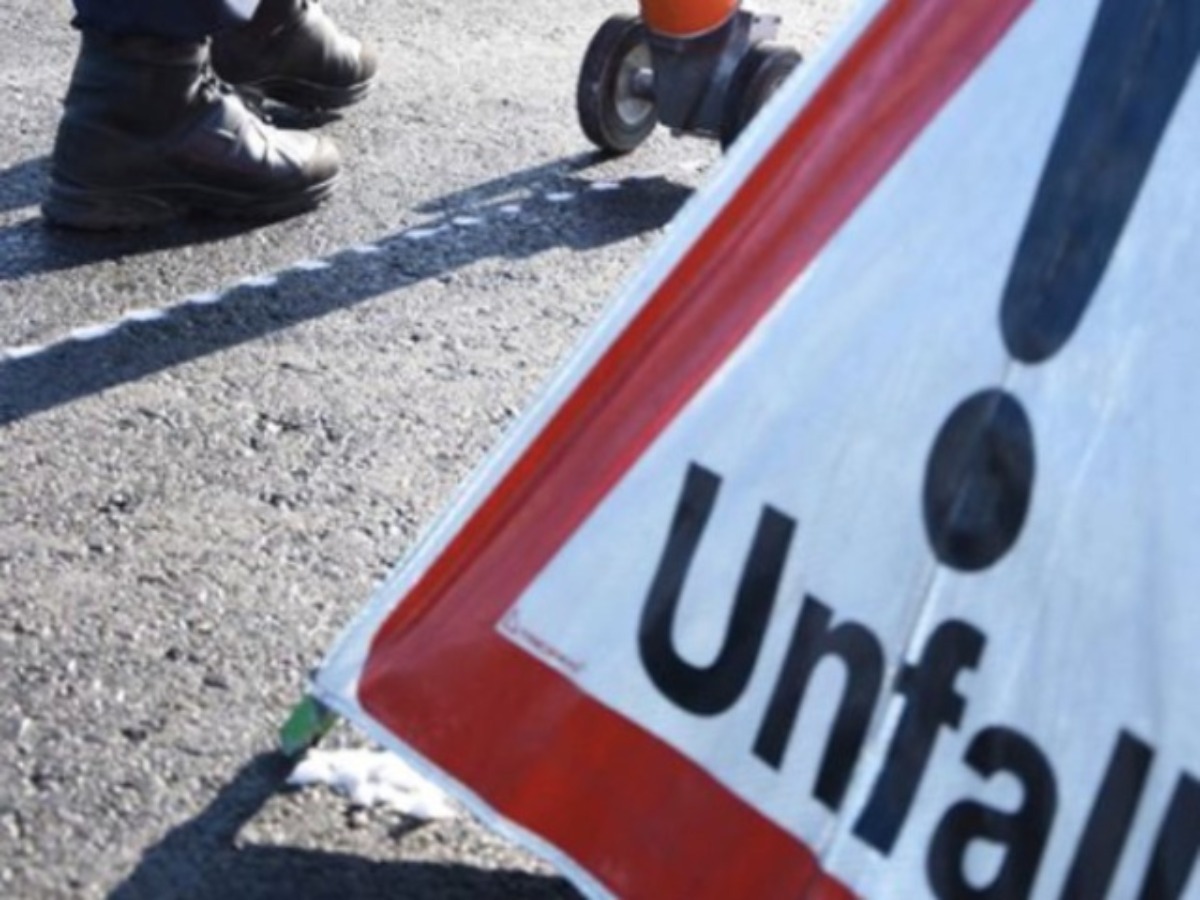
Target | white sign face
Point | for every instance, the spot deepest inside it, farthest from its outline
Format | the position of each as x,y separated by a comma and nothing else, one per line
913,575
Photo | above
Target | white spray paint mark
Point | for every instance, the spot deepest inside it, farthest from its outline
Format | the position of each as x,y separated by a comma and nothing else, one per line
259,281
210,298
144,315
312,265
25,351
93,332
644,176
424,234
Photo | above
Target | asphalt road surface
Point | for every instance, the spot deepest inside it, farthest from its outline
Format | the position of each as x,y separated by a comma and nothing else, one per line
215,439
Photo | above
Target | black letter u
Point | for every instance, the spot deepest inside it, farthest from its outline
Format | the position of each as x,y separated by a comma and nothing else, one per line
712,689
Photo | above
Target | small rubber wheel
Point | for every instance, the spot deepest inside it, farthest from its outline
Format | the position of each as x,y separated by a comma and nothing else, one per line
613,98
759,75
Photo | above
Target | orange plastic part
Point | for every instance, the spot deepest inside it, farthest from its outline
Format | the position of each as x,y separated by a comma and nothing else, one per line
687,18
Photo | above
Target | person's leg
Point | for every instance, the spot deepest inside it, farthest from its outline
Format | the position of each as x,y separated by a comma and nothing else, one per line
288,50
187,20
148,133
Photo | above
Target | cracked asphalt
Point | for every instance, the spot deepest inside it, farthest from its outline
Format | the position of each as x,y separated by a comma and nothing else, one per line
215,438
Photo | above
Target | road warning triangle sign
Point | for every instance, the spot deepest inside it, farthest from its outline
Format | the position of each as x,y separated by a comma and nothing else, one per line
854,552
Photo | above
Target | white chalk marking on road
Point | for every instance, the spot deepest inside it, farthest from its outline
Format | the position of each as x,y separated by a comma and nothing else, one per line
312,265
93,332
259,281
144,315
25,351
211,298
424,234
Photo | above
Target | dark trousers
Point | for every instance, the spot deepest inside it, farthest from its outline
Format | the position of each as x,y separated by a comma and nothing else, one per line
190,20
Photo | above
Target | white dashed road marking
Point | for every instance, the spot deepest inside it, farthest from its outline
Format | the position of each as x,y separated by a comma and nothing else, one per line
259,282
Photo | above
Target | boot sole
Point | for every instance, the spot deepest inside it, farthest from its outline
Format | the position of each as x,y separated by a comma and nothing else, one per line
105,209
309,95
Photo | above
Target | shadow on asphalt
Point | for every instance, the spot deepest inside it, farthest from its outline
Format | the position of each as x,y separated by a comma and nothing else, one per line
498,189
30,247
71,370
21,185
33,248
201,860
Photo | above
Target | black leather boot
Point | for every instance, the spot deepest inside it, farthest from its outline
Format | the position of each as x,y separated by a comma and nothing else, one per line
148,134
291,51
